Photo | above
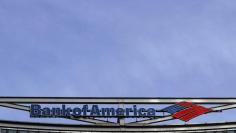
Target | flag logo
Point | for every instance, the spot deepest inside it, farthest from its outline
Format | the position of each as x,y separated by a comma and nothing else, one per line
186,111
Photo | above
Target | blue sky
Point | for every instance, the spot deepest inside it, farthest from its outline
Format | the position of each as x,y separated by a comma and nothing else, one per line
157,48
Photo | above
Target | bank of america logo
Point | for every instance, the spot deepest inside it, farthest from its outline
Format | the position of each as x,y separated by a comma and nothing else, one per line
186,111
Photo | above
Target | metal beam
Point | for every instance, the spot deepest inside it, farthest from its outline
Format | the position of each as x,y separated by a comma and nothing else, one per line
93,121
224,107
49,127
150,121
15,106
114,100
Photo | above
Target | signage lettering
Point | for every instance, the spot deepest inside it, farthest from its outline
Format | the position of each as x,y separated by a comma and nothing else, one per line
184,111
95,111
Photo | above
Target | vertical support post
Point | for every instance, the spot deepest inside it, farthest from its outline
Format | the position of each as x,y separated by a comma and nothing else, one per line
121,119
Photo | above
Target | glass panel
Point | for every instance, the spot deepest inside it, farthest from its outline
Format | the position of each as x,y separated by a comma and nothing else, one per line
42,132
22,131
32,132
12,131
230,131
4,131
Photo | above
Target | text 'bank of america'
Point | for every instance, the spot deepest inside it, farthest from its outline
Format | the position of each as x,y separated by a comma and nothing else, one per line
86,111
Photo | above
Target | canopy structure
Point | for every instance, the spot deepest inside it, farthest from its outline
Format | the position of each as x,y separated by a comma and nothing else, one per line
171,108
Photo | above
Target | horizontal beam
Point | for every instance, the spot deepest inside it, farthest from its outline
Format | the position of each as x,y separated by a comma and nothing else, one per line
93,128
113,100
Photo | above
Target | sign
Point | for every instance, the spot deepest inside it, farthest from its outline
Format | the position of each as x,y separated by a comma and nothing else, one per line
184,111
94,111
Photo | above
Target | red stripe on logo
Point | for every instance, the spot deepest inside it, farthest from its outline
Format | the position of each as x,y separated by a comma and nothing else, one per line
198,111
191,113
183,113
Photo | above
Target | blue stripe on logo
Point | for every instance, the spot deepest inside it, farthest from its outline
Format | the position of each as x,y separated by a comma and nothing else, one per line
173,109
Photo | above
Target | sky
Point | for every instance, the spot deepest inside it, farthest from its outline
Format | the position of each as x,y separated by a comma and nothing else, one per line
131,48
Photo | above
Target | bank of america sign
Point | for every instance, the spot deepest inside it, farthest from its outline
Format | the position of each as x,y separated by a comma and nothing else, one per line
184,111
119,110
